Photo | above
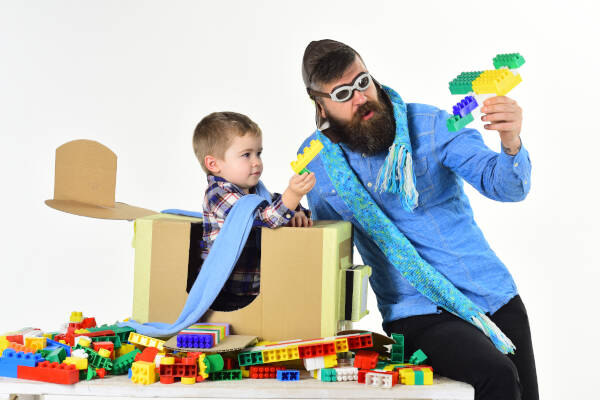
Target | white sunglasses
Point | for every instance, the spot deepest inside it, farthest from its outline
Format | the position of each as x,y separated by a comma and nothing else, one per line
344,93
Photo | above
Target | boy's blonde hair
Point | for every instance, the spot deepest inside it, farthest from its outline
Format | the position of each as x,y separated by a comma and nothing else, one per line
214,133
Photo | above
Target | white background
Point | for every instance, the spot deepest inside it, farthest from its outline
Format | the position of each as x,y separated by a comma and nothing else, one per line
137,76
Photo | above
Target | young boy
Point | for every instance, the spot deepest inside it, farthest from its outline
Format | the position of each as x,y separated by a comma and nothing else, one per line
228,146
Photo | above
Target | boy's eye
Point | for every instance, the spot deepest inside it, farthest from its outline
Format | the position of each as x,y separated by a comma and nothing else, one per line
246,155
259,153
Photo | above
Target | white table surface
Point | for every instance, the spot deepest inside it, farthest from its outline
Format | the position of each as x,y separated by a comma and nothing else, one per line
116,387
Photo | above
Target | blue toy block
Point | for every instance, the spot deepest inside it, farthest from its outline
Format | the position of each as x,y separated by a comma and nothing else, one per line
11,359
195,341
51,343
129,373
465,106
288,375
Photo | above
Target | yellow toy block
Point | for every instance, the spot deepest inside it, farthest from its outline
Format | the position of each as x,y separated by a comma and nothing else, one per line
330,361
202,366
143,372
124,349
3,344
307,156
47,335
188,380
76,316
167,361
80,363
245,372
498,81
341,345
427,377
80,331
36,343
145,341
104,353
407,376
83,341
280,354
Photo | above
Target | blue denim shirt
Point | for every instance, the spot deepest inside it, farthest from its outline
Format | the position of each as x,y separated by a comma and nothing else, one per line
441,228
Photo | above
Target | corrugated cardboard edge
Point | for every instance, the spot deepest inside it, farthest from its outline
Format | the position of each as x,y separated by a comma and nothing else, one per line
379,340
230,343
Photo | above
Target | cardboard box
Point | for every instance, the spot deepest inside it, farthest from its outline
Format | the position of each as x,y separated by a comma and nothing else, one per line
303,279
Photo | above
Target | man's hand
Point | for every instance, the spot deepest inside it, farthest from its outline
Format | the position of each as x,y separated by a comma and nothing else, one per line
506,117
300,220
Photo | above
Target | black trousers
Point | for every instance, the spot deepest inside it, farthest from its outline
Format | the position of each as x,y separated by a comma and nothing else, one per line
458,350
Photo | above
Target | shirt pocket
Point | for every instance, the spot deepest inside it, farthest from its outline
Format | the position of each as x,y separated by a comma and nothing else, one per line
424,182
339,205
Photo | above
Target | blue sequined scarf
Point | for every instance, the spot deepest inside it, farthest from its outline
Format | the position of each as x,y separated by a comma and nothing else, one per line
396,176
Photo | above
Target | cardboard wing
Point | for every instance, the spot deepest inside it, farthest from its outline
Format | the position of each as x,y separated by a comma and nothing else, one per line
85,181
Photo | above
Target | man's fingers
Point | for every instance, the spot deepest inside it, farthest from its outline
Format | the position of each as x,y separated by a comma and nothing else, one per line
498,108
499,100
507,117
502,126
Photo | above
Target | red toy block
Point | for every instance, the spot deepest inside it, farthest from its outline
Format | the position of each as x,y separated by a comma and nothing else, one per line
15,338
186,367
361,375
45,371
230,363
59,337
366,359
316,349
148,354
360,341
264,372
101,372
88,323
110,346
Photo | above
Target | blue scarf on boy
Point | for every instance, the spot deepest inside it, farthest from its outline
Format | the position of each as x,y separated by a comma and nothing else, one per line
396,176
217,266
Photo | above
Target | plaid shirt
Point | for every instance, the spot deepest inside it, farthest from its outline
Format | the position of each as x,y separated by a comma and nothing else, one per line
220,197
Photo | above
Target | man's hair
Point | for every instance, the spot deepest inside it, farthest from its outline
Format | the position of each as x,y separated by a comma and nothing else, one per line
326,60
214,134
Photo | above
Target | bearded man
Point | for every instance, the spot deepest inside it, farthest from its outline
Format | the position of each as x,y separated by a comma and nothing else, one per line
396,173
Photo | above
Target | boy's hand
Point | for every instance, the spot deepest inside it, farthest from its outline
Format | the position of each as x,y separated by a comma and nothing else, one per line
506,117
300,220
302,184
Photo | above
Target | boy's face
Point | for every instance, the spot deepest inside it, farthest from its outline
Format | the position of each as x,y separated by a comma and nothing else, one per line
242,165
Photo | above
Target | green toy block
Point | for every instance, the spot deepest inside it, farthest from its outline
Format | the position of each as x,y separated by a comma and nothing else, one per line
328,375
397,355
510,60
462,84
214,363
419,378
381,364
456,123
122,364
55,355
226,375
96,360
250,358
87,374
418,357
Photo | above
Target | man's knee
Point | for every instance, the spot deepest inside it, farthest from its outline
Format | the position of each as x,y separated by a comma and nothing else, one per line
499,379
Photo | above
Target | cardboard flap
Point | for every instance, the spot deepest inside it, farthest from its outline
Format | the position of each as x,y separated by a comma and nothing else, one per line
85,178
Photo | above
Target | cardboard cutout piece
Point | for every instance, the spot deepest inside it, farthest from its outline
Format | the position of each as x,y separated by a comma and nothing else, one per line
85,181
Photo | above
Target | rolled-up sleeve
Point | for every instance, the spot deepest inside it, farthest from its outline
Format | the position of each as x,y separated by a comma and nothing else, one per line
498,176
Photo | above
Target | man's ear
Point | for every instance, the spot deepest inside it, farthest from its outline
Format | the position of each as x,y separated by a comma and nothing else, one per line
211,164
321,109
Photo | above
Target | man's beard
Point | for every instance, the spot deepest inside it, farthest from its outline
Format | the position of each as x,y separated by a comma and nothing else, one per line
371,136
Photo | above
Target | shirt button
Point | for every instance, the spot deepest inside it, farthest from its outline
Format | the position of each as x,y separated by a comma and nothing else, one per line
332,190
364,155
516,164
525,181
369,184
288,216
